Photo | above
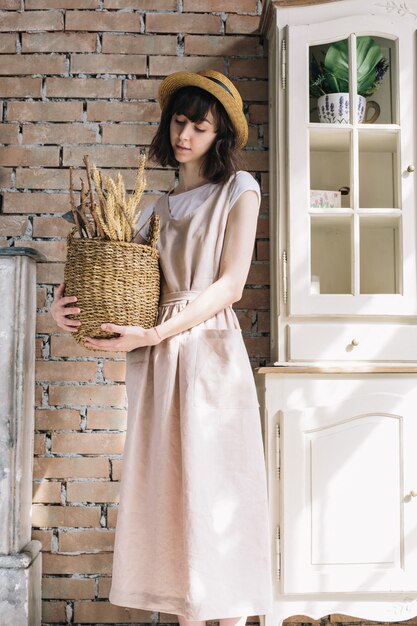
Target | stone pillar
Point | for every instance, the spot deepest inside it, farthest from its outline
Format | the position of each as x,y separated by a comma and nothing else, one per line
20,558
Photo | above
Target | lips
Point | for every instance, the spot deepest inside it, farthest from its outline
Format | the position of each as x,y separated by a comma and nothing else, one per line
181,147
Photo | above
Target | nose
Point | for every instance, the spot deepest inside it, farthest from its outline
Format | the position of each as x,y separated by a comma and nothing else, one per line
184,132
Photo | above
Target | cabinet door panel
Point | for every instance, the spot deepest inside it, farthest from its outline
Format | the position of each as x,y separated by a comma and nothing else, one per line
354,513
348,524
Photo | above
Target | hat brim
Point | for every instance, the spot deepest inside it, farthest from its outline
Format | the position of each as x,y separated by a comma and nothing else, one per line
175,81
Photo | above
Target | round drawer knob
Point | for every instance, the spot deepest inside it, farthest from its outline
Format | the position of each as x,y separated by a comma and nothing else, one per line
412,493
411,168
355,342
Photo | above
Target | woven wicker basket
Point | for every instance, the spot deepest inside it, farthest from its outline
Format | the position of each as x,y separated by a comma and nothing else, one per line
114,281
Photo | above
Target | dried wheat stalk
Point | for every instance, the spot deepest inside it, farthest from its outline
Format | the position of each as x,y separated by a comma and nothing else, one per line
115,215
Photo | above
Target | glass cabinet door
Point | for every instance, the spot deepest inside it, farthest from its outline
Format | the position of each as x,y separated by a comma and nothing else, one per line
351,178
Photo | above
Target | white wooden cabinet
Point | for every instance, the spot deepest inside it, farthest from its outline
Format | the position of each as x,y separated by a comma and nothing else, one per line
342,479
339,417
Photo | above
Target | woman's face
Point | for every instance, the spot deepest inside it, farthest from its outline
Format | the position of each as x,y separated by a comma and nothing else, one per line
191,140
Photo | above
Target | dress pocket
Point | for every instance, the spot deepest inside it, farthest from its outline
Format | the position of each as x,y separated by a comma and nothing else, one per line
137,387
138,355
223,377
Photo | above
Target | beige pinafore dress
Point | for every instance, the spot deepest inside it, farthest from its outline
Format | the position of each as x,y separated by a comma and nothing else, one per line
192,534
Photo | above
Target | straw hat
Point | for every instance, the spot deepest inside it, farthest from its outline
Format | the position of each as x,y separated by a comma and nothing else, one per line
219,86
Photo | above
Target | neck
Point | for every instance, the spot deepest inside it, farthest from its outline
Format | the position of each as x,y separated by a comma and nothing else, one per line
190,177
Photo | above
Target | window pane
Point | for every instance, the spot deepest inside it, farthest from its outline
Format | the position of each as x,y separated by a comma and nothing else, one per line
329,74
378,172
330,167
379,254
376,78
331,255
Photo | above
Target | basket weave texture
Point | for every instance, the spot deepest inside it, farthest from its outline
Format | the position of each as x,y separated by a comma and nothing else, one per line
114,281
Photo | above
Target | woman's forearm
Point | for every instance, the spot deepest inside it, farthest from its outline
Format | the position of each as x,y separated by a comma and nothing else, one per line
215,298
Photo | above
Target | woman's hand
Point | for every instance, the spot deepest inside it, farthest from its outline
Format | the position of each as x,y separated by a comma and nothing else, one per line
60,310
131,337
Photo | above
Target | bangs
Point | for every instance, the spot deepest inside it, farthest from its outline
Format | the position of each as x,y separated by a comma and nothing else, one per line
194,103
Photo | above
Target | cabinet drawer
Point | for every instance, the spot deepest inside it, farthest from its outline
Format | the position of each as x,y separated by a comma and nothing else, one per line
352,342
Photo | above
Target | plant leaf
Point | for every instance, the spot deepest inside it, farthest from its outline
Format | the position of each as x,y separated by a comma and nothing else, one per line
336,65
368,56
336,62
69,216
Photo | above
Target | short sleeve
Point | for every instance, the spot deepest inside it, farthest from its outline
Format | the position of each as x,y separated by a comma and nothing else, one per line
140,229
243,181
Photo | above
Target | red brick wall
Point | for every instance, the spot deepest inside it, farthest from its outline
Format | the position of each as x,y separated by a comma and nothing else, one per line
78,77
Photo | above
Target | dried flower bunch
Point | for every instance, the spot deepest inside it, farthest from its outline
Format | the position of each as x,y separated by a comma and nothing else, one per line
115,215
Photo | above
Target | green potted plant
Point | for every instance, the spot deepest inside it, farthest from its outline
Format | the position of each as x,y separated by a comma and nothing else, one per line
329,79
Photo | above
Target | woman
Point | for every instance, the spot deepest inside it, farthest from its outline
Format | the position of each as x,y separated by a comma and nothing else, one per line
192,534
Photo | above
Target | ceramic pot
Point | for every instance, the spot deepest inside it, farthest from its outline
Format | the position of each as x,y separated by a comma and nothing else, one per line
334,108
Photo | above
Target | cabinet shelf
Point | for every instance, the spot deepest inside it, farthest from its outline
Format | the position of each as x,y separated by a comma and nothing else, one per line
331,212
328,137
378,140
379,212
340,128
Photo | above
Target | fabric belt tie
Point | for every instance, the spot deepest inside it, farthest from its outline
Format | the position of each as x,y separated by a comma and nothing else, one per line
178,296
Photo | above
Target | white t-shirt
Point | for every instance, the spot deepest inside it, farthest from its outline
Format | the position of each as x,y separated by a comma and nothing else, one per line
181,204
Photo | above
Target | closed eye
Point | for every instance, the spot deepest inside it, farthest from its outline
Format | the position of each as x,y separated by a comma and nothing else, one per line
182,122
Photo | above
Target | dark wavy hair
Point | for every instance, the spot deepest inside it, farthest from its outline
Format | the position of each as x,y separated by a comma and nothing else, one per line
222,159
